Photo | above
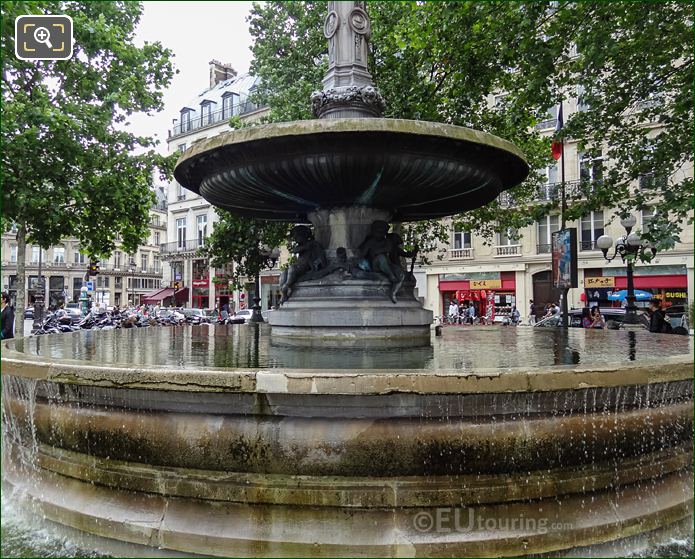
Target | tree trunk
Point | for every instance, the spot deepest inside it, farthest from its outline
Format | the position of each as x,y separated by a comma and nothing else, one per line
21,281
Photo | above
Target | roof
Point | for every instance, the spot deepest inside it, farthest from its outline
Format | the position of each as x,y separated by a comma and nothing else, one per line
241,85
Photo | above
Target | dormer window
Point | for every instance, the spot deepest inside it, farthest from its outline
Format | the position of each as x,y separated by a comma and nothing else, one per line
186,119
230,104
206,112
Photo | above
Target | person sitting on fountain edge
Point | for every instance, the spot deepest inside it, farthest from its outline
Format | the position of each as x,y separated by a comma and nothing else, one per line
310,257
376,251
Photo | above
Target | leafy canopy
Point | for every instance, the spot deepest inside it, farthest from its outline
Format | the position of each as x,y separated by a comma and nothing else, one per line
441,61
71,168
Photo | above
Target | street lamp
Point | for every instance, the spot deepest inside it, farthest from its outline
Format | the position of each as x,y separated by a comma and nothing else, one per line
268,254
630,246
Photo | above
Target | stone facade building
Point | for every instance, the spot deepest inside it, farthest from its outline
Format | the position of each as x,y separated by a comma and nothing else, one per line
190,217
122,278
516,267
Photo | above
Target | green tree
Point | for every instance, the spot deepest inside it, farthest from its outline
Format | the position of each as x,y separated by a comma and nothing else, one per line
71,168
442,61
245,241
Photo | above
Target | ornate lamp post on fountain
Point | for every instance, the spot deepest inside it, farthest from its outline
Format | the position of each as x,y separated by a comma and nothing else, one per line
629,247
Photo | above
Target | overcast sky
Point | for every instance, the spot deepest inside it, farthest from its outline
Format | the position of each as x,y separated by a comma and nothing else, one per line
196,32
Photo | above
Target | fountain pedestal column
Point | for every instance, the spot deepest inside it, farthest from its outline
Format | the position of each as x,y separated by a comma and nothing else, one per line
345,304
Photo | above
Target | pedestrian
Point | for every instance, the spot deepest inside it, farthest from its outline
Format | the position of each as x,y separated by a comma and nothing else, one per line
224,314
586,318
516,316
453,313
471,313
6,318
531,313
597,319
657,318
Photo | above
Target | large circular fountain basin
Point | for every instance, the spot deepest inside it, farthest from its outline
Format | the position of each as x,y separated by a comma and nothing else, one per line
211,440
418,170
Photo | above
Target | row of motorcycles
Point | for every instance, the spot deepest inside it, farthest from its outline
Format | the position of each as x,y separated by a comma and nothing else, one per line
60,321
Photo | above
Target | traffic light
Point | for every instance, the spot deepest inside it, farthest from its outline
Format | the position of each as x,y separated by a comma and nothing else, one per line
177,285
93,268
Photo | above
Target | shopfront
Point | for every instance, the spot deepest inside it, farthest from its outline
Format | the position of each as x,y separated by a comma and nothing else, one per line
666,283
492,294
270,291
201,285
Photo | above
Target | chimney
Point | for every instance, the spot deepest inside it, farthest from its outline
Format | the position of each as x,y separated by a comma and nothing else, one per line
220,72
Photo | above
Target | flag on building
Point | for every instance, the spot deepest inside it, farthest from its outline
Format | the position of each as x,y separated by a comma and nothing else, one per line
556,146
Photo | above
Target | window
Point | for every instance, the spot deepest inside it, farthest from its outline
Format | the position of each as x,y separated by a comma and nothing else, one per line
156,239
180,192
651,181
462,239
590,169
500,100
582,105
35,255
13,253
549,120
200,269
117,259
59,255
144,261
181,148
155,263
508,237
181,232
79,258
185,120
647,215
591,229
118,282
230,104
546,227
205,113
202,226
155,220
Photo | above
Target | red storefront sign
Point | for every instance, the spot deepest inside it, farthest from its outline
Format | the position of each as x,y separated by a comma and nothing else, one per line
201,283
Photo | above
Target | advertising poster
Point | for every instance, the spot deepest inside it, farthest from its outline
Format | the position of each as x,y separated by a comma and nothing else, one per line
565,258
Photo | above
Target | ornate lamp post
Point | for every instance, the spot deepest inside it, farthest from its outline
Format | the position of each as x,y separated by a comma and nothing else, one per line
630,246
268,254
39,299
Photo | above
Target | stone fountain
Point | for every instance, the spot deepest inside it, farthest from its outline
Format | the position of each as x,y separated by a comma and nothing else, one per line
242,441
349,173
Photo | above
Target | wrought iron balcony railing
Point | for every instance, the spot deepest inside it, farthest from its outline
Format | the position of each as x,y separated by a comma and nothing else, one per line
190,245
203,120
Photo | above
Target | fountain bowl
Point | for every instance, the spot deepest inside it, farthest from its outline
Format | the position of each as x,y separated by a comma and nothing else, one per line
415,170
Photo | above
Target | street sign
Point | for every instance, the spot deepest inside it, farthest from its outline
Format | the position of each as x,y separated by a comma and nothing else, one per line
90,286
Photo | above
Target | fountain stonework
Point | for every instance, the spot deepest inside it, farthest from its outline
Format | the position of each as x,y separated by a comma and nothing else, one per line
344,428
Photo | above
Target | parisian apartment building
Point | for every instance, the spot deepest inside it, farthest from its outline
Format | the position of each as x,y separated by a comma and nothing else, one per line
189,278
123,278
516,267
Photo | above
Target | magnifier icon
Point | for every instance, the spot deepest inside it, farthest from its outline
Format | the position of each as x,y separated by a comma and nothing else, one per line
41,35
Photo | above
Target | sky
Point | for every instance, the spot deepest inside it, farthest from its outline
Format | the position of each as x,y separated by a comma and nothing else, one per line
196,32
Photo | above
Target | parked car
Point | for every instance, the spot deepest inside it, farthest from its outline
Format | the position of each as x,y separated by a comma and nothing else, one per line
29,313
75,312
197,316
240,317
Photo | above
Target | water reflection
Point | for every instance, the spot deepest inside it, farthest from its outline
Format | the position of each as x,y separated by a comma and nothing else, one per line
249,346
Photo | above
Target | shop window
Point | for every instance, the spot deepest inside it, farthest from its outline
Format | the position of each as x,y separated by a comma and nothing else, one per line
200,269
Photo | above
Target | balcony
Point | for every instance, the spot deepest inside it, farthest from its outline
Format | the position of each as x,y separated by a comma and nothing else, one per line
543,249
546,124
552,192
503,251
460,254
204,120
179,247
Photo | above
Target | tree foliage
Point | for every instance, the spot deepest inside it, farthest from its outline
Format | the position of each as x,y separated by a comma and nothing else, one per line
442,61
245,241
71,168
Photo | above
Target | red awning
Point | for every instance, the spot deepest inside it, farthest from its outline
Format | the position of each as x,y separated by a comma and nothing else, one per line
181,294
158,296
654,282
